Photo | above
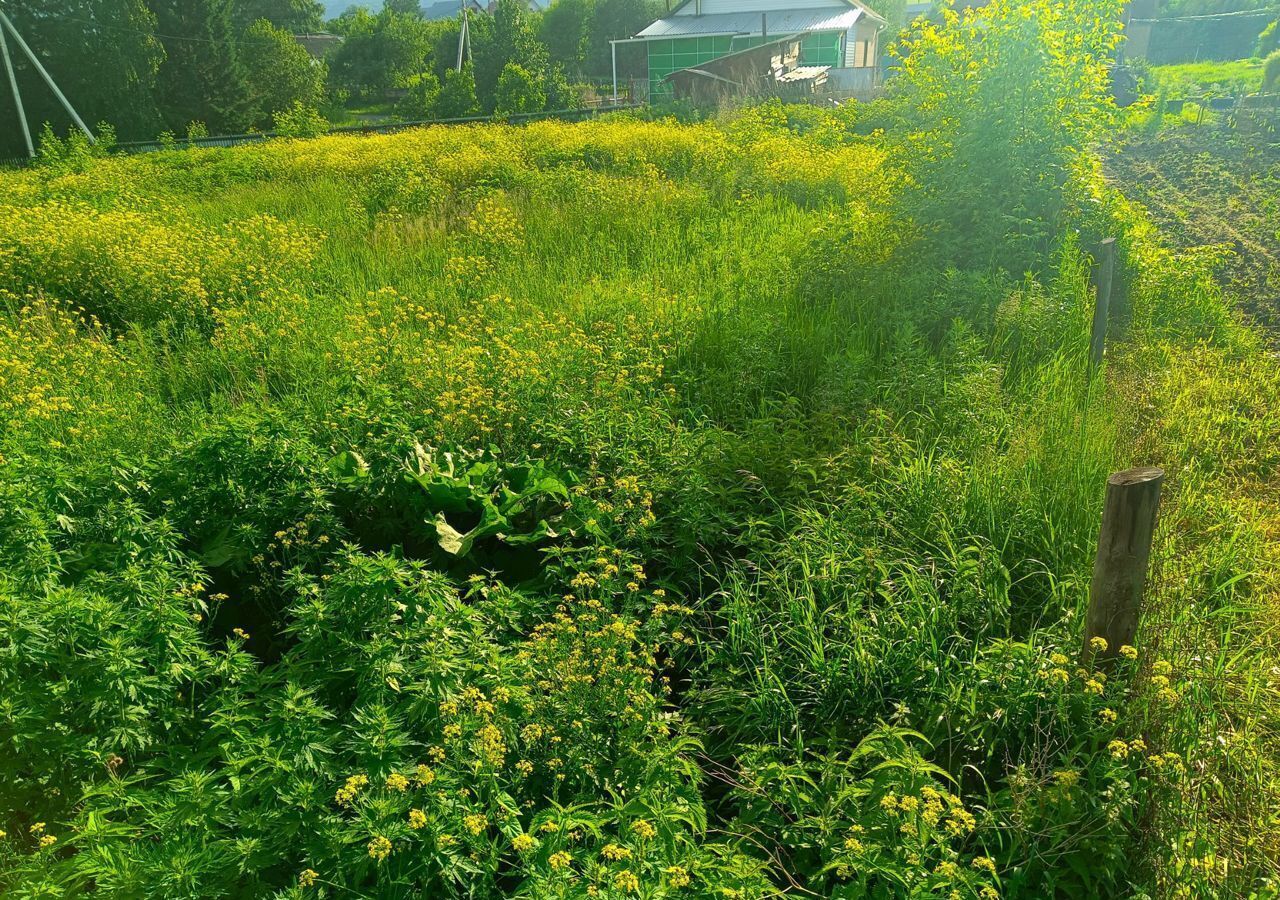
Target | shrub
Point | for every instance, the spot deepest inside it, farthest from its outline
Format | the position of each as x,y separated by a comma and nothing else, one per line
458,95
299,121
519,91
1271,72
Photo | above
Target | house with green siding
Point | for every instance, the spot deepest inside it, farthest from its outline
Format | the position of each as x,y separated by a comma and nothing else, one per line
840,34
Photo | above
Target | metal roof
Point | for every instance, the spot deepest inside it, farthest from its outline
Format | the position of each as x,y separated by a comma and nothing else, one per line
780,22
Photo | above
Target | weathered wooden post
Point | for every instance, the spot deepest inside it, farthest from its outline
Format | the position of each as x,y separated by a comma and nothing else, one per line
1103,274
1124,555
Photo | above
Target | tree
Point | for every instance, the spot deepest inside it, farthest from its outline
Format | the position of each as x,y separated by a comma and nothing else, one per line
992,122
296,16
105,56
381,52
423,98
519,91
514,41
566,28
280,72
403,7
458,95
203,76
613,20
1269,40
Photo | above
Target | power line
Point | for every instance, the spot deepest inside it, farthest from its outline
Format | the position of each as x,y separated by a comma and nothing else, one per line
167,37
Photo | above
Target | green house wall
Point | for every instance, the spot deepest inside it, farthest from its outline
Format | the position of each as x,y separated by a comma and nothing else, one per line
673,54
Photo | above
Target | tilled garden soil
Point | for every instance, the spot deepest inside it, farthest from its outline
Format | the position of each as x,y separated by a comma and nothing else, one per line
1209,186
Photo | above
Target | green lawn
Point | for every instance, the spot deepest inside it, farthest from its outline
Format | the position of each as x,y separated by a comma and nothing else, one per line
1193,79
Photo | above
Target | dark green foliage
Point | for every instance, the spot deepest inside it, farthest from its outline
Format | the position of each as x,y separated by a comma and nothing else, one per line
458,95
279,71
566,30
296,16
203,76
422,97
614,20
105,56
518,91
513,40
381,52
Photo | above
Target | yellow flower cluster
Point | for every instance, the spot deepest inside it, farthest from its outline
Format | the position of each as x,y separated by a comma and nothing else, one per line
380,848
349,791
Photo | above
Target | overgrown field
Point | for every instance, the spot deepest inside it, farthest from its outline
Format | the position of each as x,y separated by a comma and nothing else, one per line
629,509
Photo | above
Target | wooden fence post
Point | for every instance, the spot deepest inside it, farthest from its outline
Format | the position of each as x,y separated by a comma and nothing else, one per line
1124,554
1102,276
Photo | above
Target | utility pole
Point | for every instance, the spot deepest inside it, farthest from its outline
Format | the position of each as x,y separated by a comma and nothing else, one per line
464,36
48,79
17,96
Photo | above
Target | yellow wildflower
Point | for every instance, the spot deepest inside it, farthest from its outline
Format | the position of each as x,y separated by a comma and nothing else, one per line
417,819
1128,652
397,782
523,843
351,789
678,876
380,848
626,881
1098,644
307,878
613,852
560,860
643,829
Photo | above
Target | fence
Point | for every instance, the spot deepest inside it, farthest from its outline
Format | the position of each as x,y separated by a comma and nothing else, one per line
859,82
1252,114
1179,39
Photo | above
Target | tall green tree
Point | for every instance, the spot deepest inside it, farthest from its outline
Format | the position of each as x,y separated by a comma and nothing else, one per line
203,77
515,40
381,52
403,7
519,91
297,16
280,72
566,29
105,56
614,20
458,95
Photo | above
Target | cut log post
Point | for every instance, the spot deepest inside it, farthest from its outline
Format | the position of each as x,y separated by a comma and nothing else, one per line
1124,555
1103,274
